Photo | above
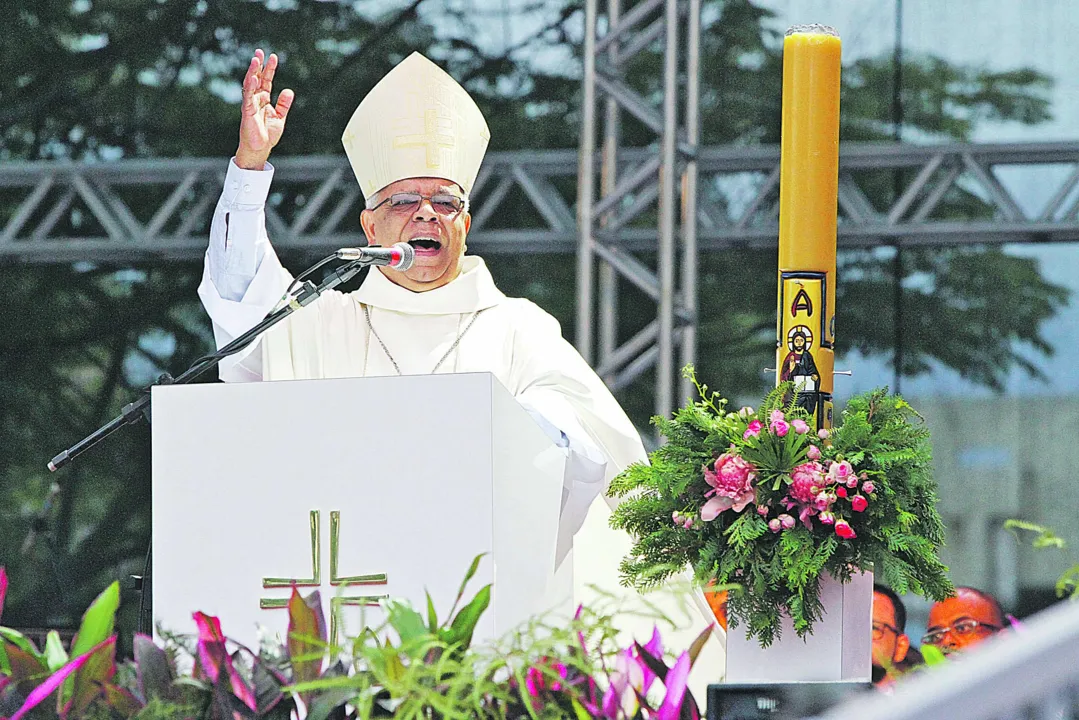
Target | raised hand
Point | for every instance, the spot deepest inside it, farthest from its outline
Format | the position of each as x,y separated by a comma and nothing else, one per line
261,122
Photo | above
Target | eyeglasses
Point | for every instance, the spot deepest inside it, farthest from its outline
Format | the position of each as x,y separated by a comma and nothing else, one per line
443,203
959,628
879,628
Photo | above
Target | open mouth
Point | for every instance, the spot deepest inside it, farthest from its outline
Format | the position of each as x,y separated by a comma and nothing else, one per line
425,246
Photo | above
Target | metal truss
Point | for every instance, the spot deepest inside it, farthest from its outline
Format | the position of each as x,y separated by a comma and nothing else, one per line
134,210
650,182
137,210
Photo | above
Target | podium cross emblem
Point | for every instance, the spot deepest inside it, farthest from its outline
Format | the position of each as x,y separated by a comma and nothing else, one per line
336,580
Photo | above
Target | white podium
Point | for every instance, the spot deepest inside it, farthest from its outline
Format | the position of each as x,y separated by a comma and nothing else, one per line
363,487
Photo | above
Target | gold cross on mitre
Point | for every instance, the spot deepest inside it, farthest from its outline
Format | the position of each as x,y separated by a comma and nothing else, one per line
431,138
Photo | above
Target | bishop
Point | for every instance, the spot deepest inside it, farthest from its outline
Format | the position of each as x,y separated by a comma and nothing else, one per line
415,144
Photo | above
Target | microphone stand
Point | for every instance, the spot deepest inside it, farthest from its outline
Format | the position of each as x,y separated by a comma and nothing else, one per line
303,295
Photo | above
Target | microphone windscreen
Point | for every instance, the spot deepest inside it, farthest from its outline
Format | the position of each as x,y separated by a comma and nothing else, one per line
408,256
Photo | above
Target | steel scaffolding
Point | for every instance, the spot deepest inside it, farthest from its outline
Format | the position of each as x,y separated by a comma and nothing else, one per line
624,196
134,210
137,210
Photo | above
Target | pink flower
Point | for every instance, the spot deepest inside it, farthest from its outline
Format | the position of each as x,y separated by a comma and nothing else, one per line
844,530
868,487
745,413
823,433
786,521
800,426
806,481
827,518
779,427
841,472
841,491
824,501
676,518
777,416
762,510
858,503
539,679
752,430
775,525
688,524
813,453
732,486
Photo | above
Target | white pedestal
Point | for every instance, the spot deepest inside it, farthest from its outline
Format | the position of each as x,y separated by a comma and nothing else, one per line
840,648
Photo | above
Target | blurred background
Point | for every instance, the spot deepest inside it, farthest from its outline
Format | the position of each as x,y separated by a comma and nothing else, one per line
980,335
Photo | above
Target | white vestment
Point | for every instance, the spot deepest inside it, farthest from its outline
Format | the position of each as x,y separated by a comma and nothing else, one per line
511,338
467,325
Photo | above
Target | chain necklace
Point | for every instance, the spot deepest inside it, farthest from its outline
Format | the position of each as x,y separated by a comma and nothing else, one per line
367,317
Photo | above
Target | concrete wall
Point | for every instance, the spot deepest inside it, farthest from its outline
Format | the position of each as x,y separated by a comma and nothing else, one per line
1005,458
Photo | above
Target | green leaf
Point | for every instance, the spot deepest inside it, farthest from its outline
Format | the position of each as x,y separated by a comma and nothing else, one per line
306,636
26,668
22,642
464,624
1069,583
933,655
1044,538
578,710
698,644
55,655
155,675
121,701
407,622
98,621
324,703
464,583
90,679
432,616
50,684
268,684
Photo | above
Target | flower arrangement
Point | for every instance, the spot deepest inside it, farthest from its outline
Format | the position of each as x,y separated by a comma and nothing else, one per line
413,666
756,499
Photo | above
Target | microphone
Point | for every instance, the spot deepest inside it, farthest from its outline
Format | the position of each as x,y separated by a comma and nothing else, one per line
399,256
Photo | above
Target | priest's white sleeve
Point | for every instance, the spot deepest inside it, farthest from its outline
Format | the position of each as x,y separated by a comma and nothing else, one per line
553,381
586,468
242,278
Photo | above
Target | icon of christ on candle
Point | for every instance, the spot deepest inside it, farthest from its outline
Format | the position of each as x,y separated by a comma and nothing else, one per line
800,368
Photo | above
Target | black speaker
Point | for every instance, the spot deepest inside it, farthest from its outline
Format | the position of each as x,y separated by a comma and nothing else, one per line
777,701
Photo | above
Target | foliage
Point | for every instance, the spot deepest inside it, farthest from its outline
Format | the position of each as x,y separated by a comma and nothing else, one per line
1068,582
754,498
409,667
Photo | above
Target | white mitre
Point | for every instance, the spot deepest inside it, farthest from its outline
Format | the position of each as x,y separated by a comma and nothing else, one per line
416,122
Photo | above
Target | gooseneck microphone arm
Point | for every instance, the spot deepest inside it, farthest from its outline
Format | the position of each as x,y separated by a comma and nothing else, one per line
304,294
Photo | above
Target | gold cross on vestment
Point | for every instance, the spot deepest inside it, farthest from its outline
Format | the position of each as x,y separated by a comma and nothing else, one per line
431,139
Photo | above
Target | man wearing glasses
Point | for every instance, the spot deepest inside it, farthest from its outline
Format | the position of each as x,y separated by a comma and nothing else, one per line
963,620
415,144
890,642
